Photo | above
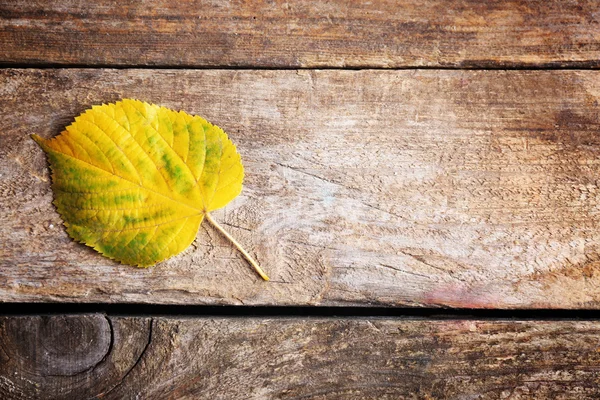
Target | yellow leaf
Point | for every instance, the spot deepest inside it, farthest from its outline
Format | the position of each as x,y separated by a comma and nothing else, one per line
134,180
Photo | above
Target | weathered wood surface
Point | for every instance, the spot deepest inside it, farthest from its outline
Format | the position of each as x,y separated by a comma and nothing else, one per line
305,33
418,188
93,356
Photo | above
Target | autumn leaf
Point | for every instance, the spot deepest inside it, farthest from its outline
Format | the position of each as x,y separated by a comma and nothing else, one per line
134,180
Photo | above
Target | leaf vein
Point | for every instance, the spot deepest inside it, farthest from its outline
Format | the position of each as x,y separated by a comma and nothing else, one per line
163,139
145,152
116,209
98,147
220,166
146,226
127,180
150,240
137,172
174,236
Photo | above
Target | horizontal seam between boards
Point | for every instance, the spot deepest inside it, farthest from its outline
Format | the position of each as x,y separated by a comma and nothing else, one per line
173,310
595,65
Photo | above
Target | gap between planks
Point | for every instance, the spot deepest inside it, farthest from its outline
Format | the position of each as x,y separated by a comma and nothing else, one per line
560,66
22,309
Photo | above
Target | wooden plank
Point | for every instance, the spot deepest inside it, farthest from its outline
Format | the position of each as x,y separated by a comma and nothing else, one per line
65,357
415,188
339,33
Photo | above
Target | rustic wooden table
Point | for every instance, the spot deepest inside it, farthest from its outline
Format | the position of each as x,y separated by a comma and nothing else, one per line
417,155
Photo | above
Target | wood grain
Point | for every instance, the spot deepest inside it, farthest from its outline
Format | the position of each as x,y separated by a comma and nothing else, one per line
66,357
339,33
413,188
283,358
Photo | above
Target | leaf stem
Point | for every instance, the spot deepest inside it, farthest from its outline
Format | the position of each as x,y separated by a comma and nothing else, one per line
238,246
